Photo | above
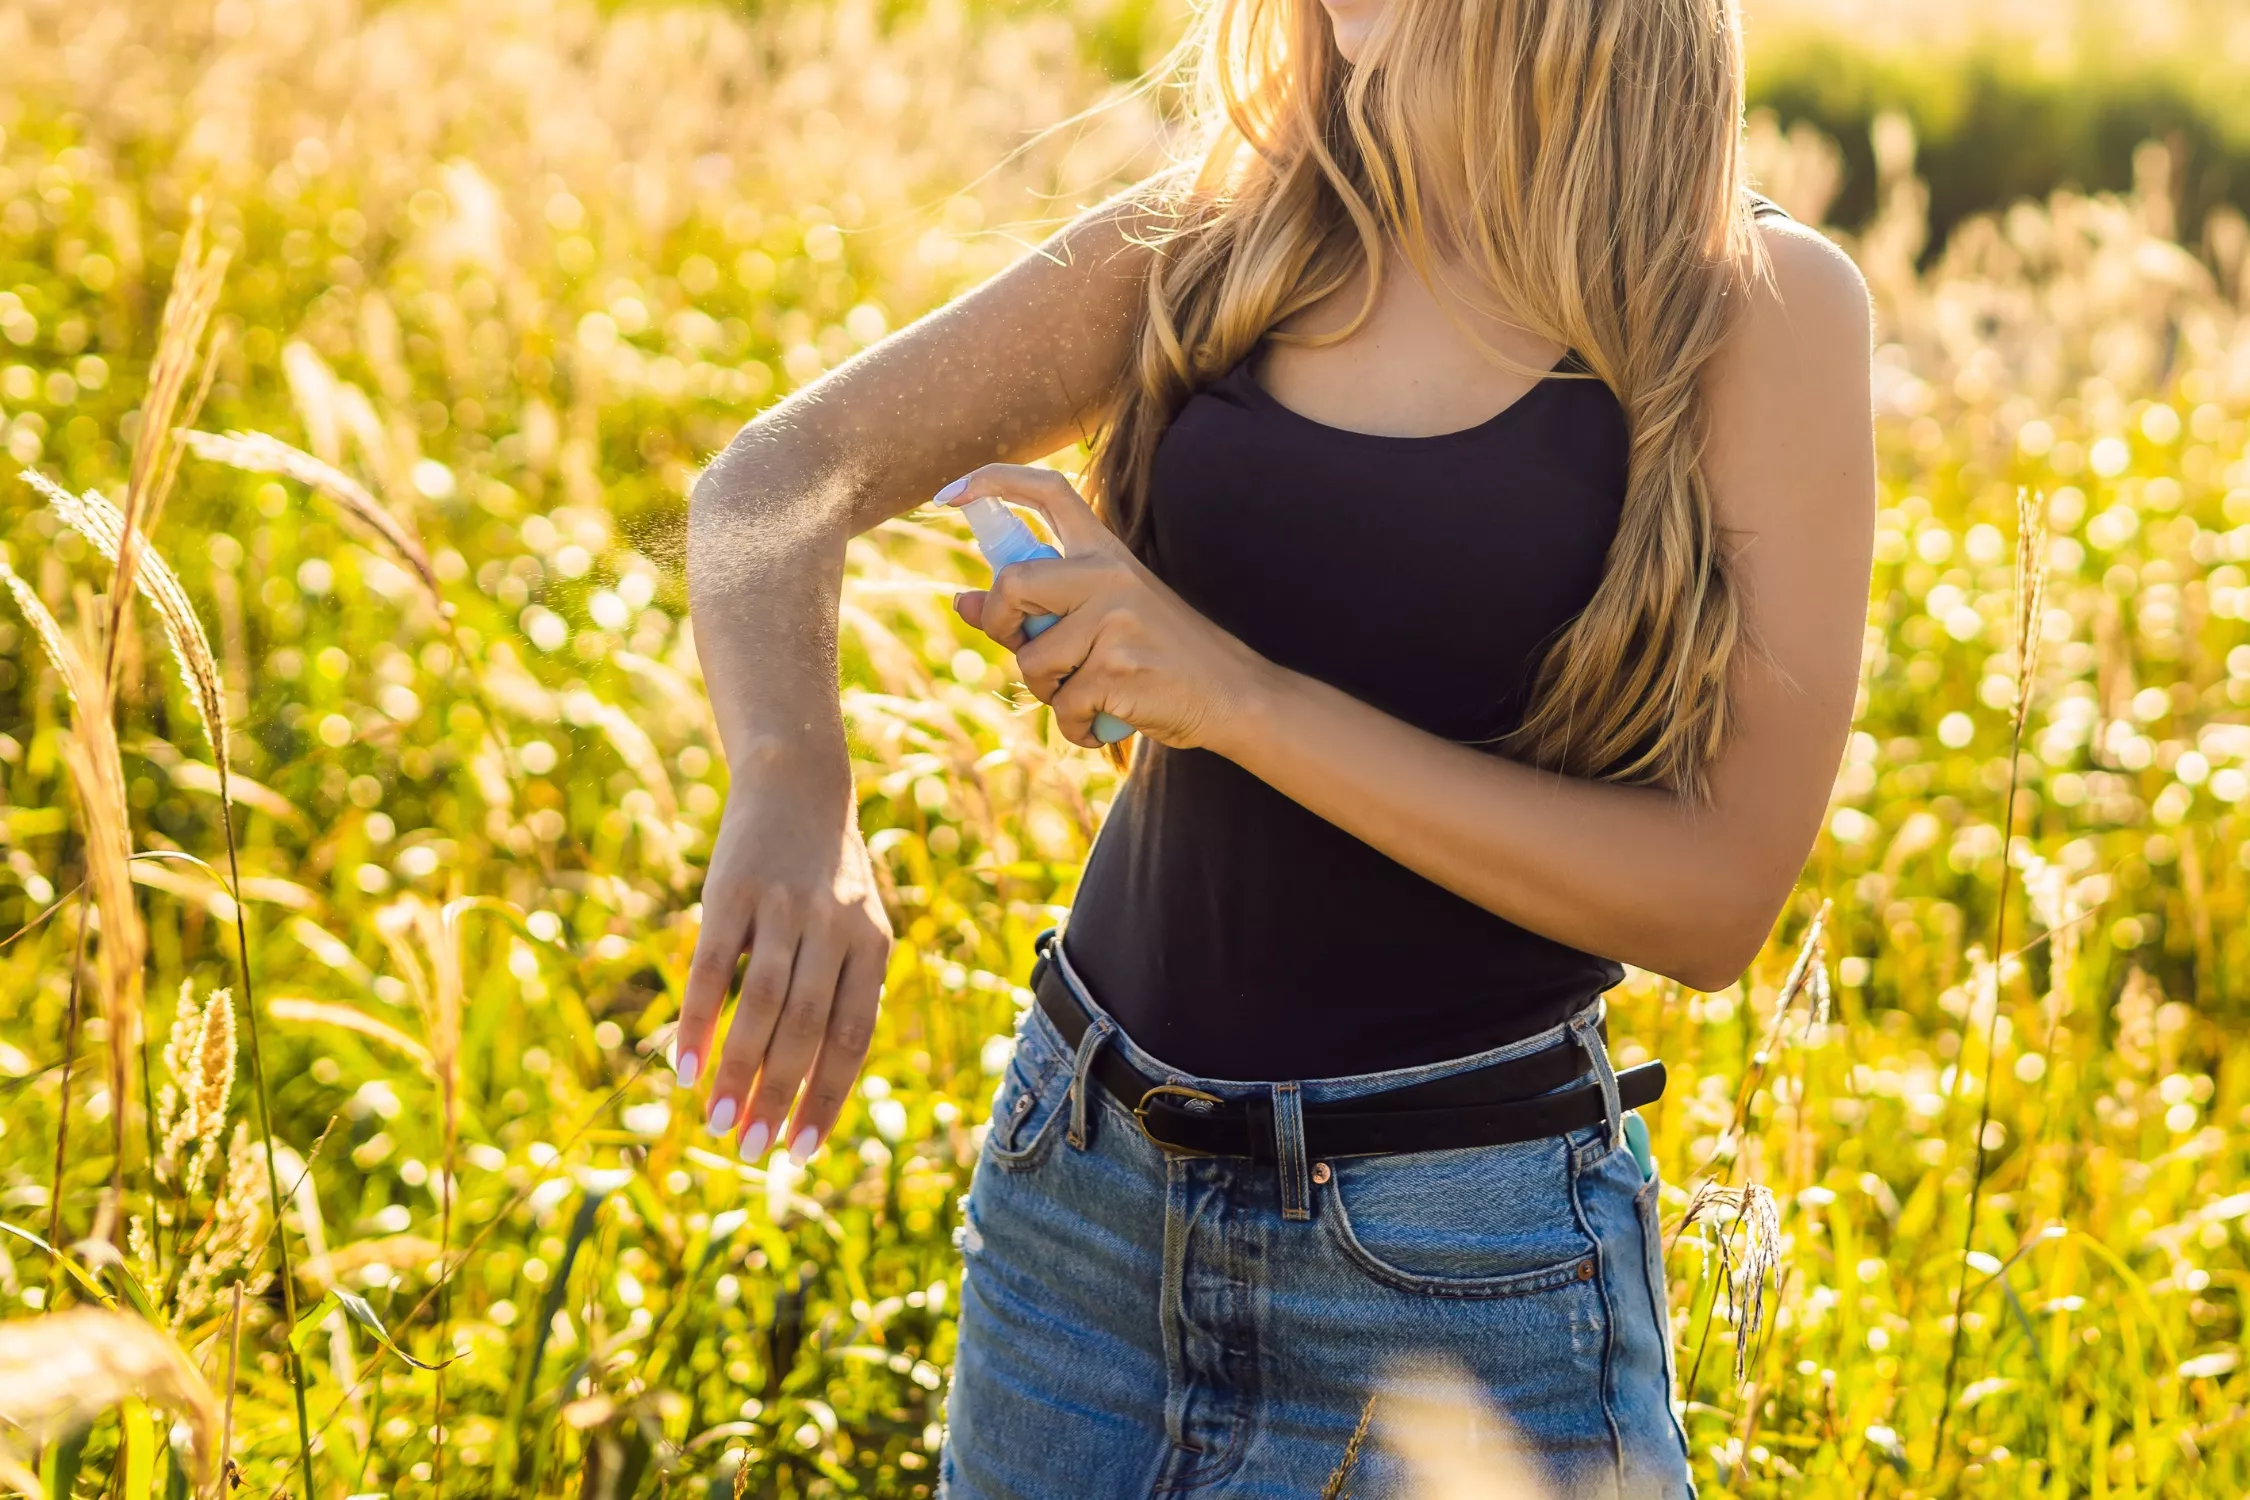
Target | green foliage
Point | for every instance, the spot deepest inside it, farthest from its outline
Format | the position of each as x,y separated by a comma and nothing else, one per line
1994,126
523,326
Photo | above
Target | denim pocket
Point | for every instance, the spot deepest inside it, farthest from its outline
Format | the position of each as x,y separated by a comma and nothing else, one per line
1487,1221
1033,1096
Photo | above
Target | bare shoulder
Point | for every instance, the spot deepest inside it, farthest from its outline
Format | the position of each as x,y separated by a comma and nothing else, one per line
1803,337
1791,415
1804,291
1118,236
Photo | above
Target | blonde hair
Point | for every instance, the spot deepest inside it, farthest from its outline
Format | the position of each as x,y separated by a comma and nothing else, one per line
1581,160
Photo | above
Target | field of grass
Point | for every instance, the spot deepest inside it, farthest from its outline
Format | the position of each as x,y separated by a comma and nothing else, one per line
505,274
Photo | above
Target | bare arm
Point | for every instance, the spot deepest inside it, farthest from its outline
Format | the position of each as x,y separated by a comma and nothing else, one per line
1014,369
1631,873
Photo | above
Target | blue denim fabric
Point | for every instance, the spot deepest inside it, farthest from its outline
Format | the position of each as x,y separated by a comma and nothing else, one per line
1138,1325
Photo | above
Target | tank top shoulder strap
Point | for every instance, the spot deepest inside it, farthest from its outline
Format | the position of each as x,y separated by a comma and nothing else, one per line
1762,207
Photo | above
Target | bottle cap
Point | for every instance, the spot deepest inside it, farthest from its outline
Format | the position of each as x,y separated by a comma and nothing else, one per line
1001,534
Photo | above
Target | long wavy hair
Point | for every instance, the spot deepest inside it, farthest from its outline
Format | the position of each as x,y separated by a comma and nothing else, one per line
1571,166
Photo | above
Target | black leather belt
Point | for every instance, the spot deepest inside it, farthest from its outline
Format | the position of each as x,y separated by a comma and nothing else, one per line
1524,1099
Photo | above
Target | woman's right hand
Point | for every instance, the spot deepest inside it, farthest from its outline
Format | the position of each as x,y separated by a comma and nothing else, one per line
791,885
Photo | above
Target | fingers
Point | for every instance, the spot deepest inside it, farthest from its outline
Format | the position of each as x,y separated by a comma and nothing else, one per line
1075,705
1026,590
1065,511
765,986
725,932
851,1028
789,1054
1046,663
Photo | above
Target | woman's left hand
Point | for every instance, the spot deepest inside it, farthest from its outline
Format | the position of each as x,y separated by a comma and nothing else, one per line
1124,642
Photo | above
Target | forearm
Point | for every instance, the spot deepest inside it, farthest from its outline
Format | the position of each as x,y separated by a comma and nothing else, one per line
1631,873
1013,370
767,525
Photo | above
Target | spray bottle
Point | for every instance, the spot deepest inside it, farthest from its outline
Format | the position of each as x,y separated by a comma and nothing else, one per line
1003,539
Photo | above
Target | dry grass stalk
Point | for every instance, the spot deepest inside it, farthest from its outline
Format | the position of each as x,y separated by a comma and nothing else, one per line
103,524
425,942
2031,596
156,455
59,1372
90,755
121,535
2030,621
234,1364
422,948
1339,1481
262,453
344,1017
1744,1269
1807,973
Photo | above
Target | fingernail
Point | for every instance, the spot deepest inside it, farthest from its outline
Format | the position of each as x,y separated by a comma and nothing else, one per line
686,1068
721,1118
754,1140
801,1149
951,492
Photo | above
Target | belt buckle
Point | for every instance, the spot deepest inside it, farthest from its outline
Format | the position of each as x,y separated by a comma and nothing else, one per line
1140,1116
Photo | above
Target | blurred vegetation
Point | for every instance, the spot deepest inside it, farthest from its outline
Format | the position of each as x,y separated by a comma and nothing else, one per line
517,268
1996,126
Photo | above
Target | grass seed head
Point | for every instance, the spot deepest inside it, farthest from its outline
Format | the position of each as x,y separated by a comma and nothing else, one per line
262,453
103,524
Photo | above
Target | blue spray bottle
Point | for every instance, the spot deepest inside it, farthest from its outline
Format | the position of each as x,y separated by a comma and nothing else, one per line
1003,539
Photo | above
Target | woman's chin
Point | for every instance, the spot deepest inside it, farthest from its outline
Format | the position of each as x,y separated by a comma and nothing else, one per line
1351,28
1351,38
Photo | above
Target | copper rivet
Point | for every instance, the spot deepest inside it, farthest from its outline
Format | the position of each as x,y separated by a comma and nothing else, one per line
1585,1270
1320,1171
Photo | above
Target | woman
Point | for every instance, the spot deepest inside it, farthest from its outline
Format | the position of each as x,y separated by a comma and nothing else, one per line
1485,492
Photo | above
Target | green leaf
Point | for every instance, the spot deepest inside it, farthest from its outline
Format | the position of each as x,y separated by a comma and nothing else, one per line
357,1309
78,1273
137,1436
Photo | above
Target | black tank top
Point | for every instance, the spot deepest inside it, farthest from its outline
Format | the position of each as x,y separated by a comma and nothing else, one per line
1235,934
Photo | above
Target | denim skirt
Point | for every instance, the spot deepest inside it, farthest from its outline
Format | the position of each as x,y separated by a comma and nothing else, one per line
1139,1324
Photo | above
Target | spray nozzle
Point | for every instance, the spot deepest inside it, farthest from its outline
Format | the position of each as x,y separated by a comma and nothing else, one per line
1001,534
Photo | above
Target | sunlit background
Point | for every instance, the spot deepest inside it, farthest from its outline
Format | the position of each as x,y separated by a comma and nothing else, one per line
500,275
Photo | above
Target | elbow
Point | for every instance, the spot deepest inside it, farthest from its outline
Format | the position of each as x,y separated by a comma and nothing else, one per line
1720,947
727,485
772,497
1713,971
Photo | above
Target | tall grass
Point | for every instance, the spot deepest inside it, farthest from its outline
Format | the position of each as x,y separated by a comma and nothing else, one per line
469,349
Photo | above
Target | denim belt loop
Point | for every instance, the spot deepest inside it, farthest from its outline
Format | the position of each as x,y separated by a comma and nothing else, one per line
1097,1032
1289,1151
1585,1030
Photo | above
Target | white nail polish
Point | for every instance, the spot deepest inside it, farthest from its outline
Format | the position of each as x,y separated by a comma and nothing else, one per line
801,1149
686,1068
722,1117
754,1140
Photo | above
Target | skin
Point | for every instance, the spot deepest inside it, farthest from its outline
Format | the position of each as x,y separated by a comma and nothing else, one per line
1015,370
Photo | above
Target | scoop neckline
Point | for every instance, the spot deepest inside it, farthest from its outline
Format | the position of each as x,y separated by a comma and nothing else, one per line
1246,372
